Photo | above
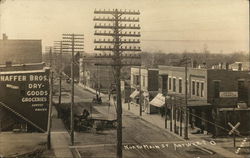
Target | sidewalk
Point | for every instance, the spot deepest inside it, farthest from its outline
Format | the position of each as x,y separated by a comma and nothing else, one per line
59,137
159,121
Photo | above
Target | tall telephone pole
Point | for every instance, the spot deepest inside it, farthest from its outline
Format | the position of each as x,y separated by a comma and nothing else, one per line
114,27
72,43
49,49
58,50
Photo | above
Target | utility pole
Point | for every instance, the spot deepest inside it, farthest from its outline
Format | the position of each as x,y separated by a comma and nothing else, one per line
171,114
50,98
181,117
175,110
117,37
72,43
186,101
140,109
166,107
58,48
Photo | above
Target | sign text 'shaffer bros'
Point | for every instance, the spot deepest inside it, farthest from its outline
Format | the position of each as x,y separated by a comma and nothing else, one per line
27,93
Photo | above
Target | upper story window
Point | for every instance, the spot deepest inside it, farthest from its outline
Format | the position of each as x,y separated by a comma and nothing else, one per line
136,79
143,81
174,84
197,89
216,88
169,83
193,87
242,91
180,85
202,89
164,82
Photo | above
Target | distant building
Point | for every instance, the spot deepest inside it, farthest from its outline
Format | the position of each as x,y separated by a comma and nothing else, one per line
20,51
94,76
239,66
100,77
215,96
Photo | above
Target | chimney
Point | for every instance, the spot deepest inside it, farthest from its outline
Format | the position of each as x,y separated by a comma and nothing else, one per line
5,37
240,67
8,63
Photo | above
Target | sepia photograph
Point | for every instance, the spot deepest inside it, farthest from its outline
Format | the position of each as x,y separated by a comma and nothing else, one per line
124,79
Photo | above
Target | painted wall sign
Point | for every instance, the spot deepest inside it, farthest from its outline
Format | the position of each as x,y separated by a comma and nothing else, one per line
27,93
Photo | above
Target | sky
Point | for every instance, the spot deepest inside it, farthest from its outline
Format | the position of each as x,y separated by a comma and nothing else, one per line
221,26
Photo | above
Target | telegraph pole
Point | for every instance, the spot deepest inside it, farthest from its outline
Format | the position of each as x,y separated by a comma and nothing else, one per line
140,110
50,98
58,47
118,38
72,43
186,101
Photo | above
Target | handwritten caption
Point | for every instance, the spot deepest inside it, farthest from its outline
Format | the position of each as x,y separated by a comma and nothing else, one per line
168,145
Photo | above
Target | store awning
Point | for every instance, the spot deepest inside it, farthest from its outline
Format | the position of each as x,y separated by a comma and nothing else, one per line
134,94
158,101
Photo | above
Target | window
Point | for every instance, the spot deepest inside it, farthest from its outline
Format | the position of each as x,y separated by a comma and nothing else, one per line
174,84
143,81
136,80
242,91
202,89
193,87
216,89
197,89
180,85
164,82
169,83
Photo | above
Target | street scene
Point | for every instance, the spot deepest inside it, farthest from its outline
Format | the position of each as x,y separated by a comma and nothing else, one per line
124,79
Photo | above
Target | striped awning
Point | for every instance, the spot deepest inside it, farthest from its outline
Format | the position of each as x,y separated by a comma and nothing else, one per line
158,101
134,94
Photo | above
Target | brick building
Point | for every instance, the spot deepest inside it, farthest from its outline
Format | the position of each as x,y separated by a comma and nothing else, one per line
215,96
20,51
11,115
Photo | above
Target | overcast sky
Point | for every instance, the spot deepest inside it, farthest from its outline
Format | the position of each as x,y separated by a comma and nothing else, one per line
167,25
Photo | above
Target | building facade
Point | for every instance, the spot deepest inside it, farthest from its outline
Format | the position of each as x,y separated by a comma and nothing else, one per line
144,84
20,51
214,96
